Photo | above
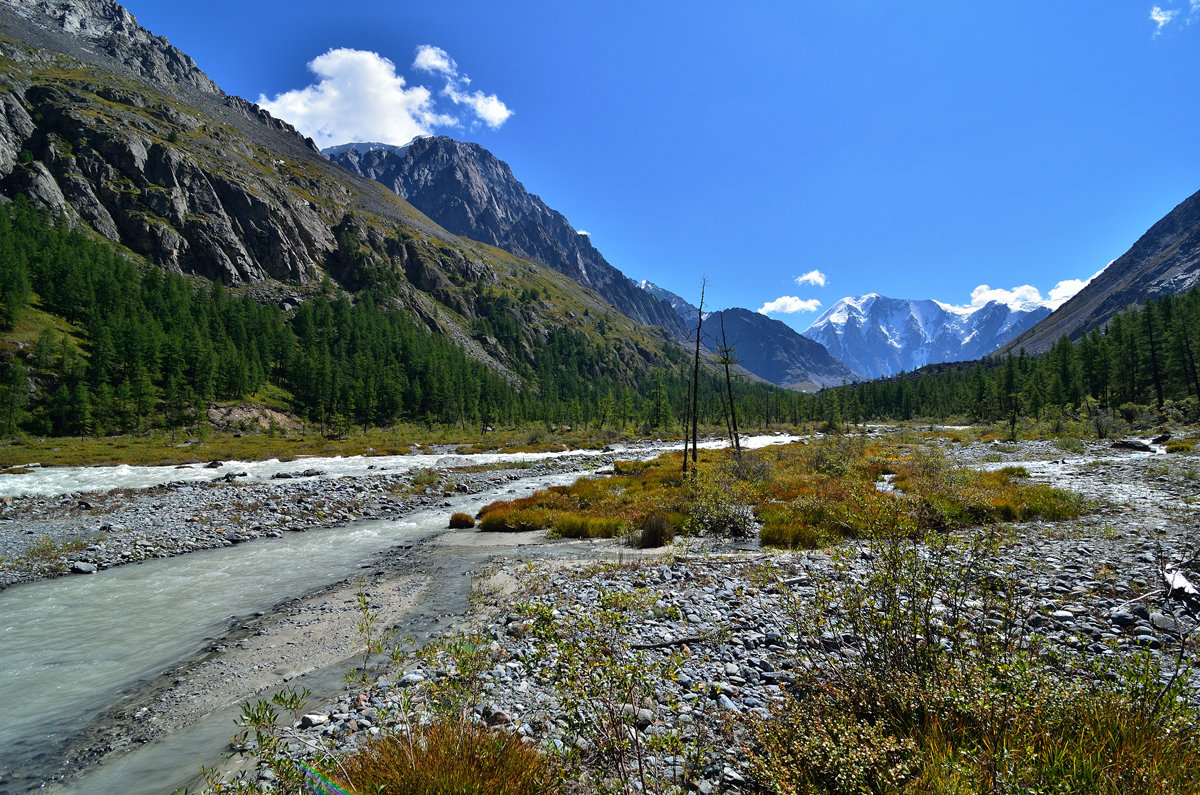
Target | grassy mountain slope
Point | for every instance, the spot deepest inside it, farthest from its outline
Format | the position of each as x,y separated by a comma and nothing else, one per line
1163,261
150,155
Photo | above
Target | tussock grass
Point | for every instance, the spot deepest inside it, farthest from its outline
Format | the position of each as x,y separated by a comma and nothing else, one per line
450,757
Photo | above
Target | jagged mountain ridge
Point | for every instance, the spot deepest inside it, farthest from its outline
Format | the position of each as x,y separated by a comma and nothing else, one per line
880,336
468,190
768,348
772,350
471,192
1165,260
148,152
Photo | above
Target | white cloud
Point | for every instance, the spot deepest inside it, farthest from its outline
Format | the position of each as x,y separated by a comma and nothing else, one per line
435,59
1016,296
359,96
584,232
816,277
1161,18
487,107
1028,294
789,304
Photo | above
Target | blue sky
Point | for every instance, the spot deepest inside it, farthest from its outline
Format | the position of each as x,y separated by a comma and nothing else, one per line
914,149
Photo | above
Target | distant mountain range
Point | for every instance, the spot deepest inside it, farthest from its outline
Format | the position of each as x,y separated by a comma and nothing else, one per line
879,336
466,189
769,348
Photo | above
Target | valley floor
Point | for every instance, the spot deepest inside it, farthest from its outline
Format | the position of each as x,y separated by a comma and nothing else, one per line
711,639
715,643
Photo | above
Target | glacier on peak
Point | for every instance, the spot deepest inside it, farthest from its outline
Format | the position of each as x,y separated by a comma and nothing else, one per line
879,336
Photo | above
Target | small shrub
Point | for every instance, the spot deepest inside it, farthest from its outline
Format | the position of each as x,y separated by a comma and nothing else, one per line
819,746
461,521
1069,445
450,757
1179,447
425,477
656,531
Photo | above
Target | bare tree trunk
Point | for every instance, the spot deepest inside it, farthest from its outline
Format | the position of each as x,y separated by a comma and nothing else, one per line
727,359
696,374
695,383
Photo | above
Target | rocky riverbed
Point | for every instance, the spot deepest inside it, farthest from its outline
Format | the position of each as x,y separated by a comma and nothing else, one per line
719,642
85,532
715,612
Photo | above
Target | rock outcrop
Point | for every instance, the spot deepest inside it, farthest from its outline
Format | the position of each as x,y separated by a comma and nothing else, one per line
467,190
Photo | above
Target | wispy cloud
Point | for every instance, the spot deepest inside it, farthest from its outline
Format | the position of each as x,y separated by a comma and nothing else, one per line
360,96
1162,17
817,278
487,107
788,305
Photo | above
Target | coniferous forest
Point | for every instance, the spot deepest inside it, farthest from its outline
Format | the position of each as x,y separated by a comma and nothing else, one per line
132,348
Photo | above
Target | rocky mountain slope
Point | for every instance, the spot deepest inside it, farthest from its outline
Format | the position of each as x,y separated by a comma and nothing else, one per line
768,348
117,129
772,350
470,192
1165,260
880,336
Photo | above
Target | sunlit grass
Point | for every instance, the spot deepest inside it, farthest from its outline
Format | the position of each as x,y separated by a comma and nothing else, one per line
449,757
803,495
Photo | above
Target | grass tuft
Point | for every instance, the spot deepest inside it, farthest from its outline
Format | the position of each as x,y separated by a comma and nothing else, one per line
450,758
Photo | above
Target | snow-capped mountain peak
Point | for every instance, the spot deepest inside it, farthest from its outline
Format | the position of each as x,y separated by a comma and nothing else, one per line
878,336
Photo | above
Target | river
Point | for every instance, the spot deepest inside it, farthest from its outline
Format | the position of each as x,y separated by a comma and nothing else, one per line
74,648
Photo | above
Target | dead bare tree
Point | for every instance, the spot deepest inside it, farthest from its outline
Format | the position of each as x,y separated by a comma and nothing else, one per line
727,359
695,407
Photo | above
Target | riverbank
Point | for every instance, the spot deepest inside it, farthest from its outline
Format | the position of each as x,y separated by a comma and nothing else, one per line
712,639
308,638
87,531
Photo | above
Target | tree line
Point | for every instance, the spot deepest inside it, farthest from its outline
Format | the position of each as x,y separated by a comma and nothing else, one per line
1146,356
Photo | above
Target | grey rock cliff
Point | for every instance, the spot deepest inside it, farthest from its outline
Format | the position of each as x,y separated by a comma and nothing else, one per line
113,30
467,190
